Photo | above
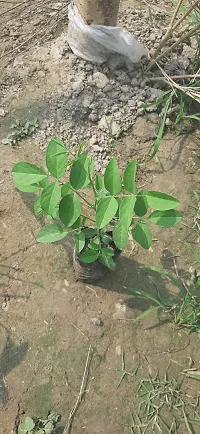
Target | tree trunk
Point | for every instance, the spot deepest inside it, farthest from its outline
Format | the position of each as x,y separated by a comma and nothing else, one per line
102,12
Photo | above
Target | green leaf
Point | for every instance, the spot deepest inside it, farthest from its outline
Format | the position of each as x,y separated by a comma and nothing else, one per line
142,234
119,200
187,424
53,416
80,148
129,177
37,206
195,375
165,219
51,233
50,197
28,188
107,252
78,223
69,209
195,254
105,211
27,174
80,171
144,294
120,235
89,256
22,429
79,238
147,312
141,205
99,184
55,213
66,189
94,244
56,158
126,210
29,424
107,261
44,181
106,239
112,178
161,201
48,427
90,232
162,126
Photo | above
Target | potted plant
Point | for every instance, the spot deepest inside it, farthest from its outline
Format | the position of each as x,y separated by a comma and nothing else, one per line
100,211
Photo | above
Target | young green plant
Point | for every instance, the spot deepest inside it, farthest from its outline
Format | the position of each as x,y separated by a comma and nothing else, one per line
39,426
100,211
184,312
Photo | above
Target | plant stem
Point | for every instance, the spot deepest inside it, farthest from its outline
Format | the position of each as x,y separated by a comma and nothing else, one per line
169,30
81,197
174,77
88,218
179,41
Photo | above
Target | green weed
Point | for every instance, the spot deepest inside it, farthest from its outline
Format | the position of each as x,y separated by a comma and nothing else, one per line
19,131
182,120
185,312
39,426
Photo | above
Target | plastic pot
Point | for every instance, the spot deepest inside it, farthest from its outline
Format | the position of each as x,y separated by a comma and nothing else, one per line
89,273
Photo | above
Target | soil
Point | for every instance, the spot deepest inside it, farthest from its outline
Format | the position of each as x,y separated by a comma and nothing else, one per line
48,320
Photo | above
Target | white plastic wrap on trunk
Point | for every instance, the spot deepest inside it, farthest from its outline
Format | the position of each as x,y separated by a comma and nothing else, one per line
94,43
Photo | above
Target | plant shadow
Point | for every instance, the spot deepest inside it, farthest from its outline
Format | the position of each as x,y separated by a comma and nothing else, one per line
129,276
11,356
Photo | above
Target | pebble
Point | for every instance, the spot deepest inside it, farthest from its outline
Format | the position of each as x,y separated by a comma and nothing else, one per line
2,112
93,117
78,86
100,80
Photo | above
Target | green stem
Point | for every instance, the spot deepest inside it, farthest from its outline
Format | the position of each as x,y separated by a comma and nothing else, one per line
85,200
89,218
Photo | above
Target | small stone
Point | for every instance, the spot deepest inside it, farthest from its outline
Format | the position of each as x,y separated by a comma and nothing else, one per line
124,98
93,140
88,67
118,350
96,148
156,93
168,122
97,321
115,128
2,112
125,88
41,74
100,80
131,103
134,81
104,123
120,311
93,117
87,101
108,88
152,37
6,304
77,86
123,78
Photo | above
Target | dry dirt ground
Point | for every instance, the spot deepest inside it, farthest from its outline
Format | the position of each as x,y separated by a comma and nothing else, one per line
48,321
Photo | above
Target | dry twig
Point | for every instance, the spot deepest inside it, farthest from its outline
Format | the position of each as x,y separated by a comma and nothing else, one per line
172,27
82,391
